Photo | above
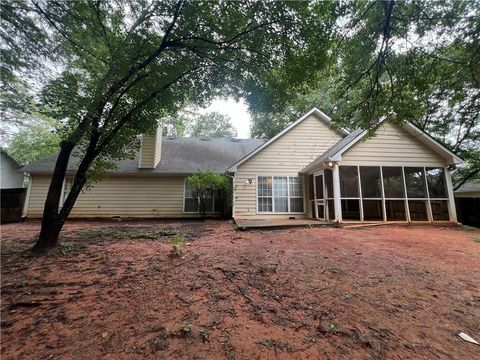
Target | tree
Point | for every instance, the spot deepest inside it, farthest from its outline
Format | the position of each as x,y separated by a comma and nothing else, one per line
206,185
118,66
212,125
34,142
419,59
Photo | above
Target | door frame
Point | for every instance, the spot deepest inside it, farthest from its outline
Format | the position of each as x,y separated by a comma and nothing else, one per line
319,201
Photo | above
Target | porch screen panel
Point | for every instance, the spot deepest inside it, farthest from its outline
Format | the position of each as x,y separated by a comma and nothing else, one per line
415,181
393,182
371,182
436,183
349,181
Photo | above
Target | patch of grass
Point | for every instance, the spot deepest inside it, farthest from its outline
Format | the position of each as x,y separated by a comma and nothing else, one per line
121,233
239,228
178,242
268,269
468,228
476,239
417,294
67,250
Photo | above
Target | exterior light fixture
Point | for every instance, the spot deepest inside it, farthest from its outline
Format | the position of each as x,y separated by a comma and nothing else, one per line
330,164
249,181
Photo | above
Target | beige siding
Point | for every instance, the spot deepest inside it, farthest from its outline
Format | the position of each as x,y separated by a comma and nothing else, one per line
151,150
287,155
391,146
127,196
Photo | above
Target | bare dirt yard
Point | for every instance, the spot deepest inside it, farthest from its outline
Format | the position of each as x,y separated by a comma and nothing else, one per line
201,290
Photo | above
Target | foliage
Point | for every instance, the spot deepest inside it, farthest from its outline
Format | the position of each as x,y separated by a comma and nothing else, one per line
178,243
212,125
107,70
419,59
204,185
34,142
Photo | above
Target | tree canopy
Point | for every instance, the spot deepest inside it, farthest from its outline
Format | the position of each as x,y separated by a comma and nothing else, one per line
420,59
212,125
107,70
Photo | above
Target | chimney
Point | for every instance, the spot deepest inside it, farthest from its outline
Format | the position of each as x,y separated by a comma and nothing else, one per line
151,149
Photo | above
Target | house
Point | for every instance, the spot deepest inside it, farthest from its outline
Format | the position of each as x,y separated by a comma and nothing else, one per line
10,176
309,170
467,200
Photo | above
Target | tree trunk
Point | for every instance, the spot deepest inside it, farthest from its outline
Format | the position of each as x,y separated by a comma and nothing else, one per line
51,222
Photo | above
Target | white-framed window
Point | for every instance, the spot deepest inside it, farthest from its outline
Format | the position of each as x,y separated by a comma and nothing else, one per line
280,194
191,204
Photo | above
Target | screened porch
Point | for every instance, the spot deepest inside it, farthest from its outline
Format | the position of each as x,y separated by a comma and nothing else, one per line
380,194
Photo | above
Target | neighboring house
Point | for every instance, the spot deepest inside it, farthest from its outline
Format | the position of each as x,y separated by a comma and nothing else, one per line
309,170
467,199
10,176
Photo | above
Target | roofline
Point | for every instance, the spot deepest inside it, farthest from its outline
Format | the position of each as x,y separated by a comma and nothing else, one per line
430,142
324,117
10,156
433,144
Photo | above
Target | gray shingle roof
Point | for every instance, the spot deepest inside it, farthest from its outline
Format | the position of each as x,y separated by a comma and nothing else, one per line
468,187
179,156
333,150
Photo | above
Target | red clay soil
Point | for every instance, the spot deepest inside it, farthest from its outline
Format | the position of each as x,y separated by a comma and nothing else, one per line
114,291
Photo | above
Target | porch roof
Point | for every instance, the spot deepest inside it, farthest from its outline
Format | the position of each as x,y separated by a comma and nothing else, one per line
330,153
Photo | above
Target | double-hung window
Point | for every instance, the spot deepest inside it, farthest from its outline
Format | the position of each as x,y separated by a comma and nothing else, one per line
280,194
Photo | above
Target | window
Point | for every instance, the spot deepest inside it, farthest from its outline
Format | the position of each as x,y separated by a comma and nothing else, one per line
264,192
280,194
214,204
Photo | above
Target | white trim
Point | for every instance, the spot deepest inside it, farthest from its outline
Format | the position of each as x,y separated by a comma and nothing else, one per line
336,193
323,117
452,211
27,198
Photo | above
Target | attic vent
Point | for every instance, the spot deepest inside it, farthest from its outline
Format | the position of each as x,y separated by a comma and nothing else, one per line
204,139
234,140
171,137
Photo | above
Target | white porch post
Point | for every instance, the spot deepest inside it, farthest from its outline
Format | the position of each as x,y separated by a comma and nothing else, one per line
451,199
336,193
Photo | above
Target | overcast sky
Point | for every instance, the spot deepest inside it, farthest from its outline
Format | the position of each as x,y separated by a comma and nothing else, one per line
237,111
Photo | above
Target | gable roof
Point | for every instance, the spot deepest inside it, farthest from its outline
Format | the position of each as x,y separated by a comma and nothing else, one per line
322,116
5,152
179,156
336,151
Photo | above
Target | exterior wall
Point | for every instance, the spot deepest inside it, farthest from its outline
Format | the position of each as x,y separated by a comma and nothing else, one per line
10,177
151,150
286,156
470,194
126,196
391,146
